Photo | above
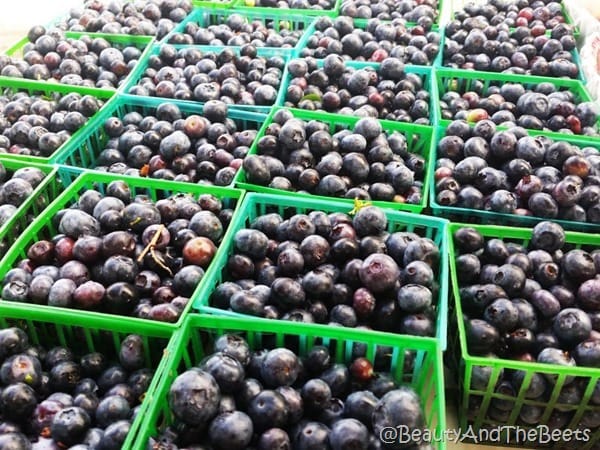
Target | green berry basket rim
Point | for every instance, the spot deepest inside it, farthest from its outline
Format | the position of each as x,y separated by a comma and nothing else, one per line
136,101
240,5
467,361
77,181
138,72
362,24
62,318
219,325
524,221
438,62
18,84
349,121
572,85
253,200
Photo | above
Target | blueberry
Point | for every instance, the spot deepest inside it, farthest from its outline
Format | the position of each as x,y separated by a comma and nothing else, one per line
369,220
556,356
317,360
280,367
274,438
414,298
231,430
338,379
311,435
114,435
233,346
111,409
294,402
548,236
316,394
348,433
360,405
21,368
587,353
70,426
502,314
226,371
571,326
131,353
18,400
401,405
14,441
193,397
267,410
379,272
481,336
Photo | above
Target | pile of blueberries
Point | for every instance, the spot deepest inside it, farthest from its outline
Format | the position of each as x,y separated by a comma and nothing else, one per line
512,37
147,18
266,399
37,125
366,163
335,269
84,61
205,148
383,92
238,30
375,42
192,74
122,254
52,398
16,186
542,106
507,171
530,302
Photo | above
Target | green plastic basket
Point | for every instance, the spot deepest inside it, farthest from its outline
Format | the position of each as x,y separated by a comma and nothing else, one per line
419,139
462,80
10,85
359,24
33,206
426,73
271,18
62,21
464,363
454,213
213,4
564,10
139,72
243,7
75,183
90,334
200,332
255,205
144,43
439,63
441,4
83,152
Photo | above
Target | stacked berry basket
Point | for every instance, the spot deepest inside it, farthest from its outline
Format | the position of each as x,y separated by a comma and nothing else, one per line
260,224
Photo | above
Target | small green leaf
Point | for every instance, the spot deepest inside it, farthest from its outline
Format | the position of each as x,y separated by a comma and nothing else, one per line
312,97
